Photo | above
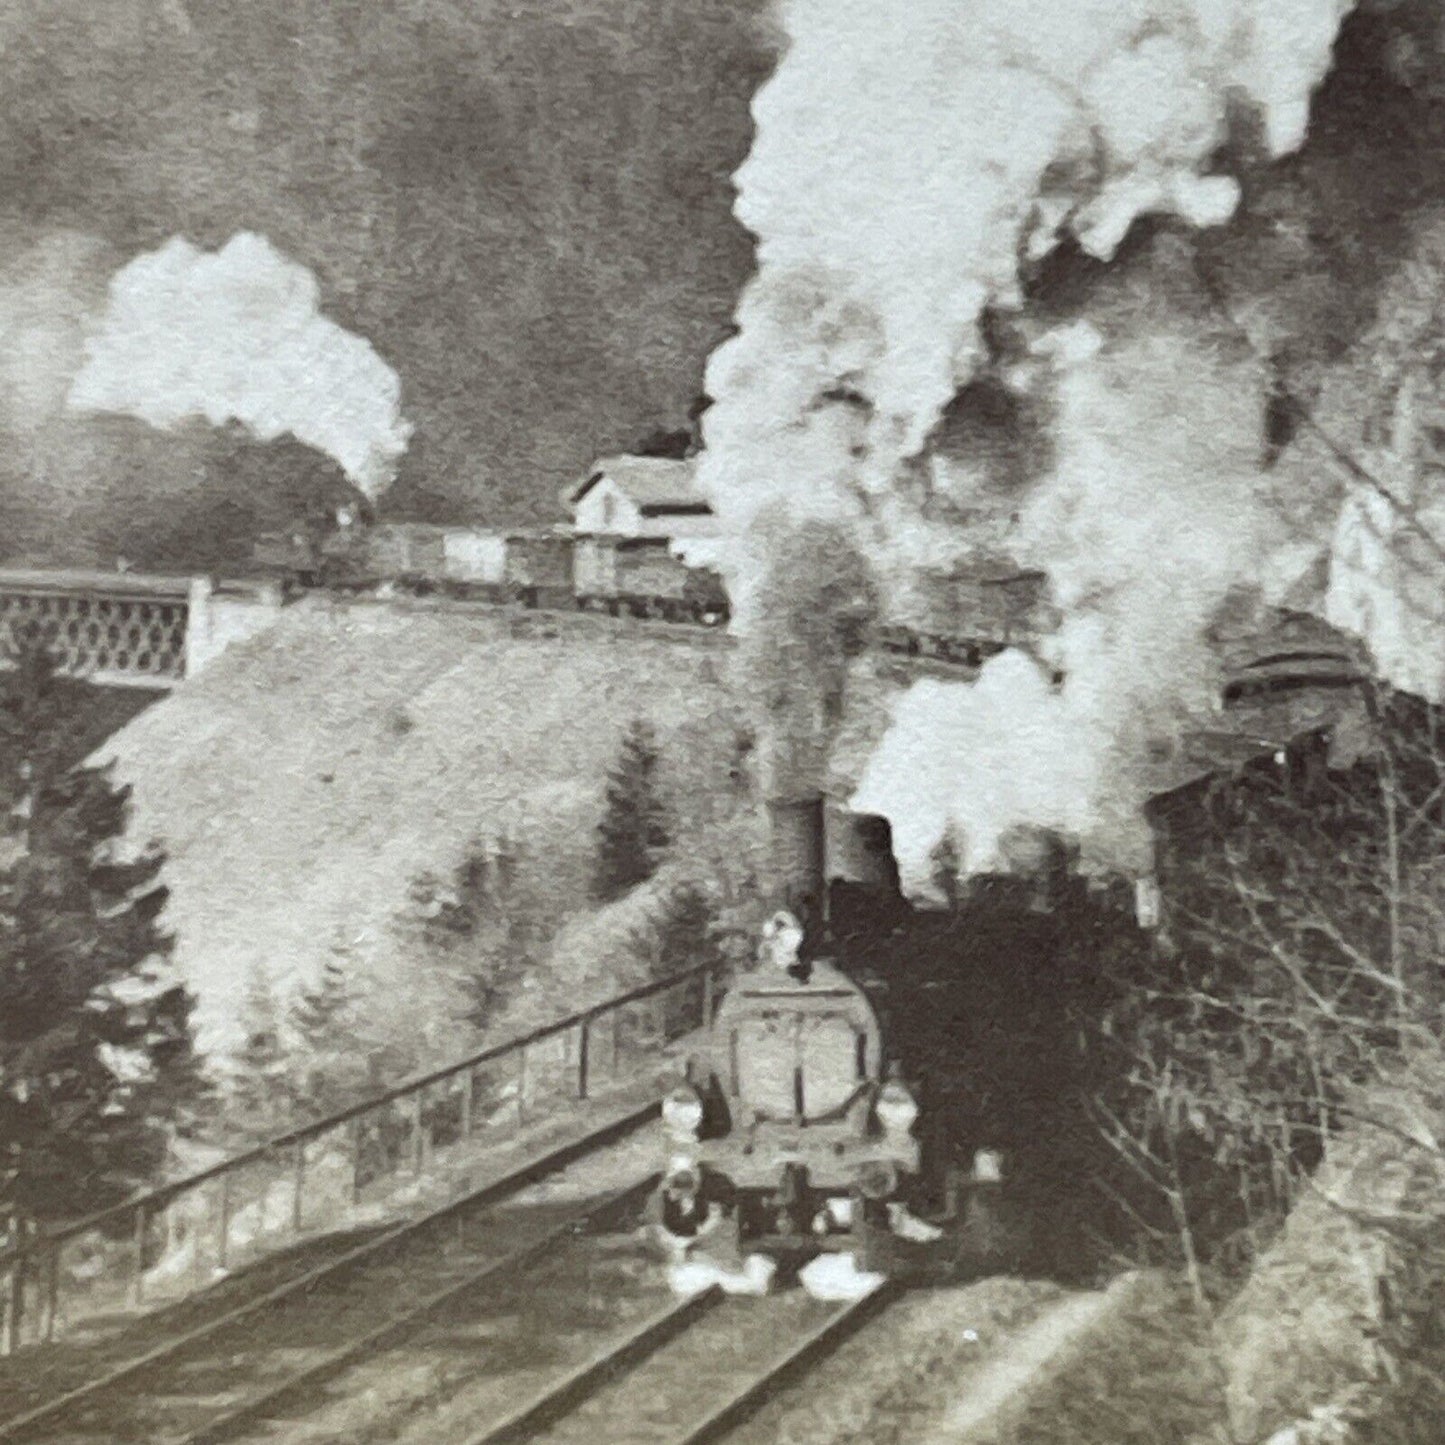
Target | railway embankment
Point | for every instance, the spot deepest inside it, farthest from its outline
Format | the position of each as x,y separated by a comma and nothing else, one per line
1342,1320
305,779
1127,1364
1001,1361
1336,1334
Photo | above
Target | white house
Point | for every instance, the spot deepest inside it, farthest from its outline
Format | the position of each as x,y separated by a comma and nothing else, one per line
630,496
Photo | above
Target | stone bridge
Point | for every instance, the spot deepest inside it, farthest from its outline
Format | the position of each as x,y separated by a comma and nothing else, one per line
125,629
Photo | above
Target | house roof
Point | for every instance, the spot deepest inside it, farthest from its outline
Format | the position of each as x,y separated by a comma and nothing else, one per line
654,484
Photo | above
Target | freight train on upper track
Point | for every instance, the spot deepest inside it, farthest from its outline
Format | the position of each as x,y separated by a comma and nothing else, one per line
624,576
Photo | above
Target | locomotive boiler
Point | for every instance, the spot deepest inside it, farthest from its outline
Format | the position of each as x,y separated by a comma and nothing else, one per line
795,1100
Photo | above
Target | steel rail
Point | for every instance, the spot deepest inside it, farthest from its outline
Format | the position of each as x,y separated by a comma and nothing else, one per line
813,1347
682,630
560,1400
515,1180
157,1197
406,1321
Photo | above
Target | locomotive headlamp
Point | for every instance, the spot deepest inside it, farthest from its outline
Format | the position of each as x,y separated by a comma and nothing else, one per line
682,1113
988,1167
682,1180
896,1108
782,939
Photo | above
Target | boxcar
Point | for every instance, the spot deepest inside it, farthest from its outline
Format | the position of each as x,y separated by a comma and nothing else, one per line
474,562
643,577
538,569
348,560
410,554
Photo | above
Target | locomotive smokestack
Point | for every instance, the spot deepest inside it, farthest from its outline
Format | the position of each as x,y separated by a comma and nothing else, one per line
796,831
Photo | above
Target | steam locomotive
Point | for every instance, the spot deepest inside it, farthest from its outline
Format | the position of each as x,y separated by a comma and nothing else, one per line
796,1101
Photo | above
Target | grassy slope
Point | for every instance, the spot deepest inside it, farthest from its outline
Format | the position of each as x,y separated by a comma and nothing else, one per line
301,783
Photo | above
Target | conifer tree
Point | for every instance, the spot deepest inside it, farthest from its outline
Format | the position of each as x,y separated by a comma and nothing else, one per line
633,833
319,1013
687,932
97,1068
263,1093
334,1063
488,924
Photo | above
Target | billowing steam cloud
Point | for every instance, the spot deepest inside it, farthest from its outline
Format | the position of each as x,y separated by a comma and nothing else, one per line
238,335
910,163
1150,518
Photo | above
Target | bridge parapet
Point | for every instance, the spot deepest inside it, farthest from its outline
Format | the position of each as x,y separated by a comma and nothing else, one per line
112,628
126,629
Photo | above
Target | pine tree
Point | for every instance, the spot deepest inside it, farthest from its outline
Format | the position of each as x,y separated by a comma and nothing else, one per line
263,1091
489,923
333,1065
687,932
319,1012
97,1068
633,833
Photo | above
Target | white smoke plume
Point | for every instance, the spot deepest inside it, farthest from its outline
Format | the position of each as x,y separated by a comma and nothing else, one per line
910,163
238,334
1152,516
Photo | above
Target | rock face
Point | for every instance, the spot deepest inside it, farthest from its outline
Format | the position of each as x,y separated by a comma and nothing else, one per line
1307,1334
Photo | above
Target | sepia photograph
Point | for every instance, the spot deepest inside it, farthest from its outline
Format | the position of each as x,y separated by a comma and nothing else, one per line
722,721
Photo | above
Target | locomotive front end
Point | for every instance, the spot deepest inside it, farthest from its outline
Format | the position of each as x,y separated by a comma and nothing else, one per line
798,1064
798,1108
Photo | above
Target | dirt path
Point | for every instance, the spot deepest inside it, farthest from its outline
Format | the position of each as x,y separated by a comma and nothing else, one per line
1005,1377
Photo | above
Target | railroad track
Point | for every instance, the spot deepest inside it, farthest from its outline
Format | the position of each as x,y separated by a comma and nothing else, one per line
704,1384
491,1319
564,1335
76,1359
818,1339
272,1349
685,1372
906,661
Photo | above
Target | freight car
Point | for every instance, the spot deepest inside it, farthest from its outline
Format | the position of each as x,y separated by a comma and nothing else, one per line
542,568
538,571
966,619
409,555
643,577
